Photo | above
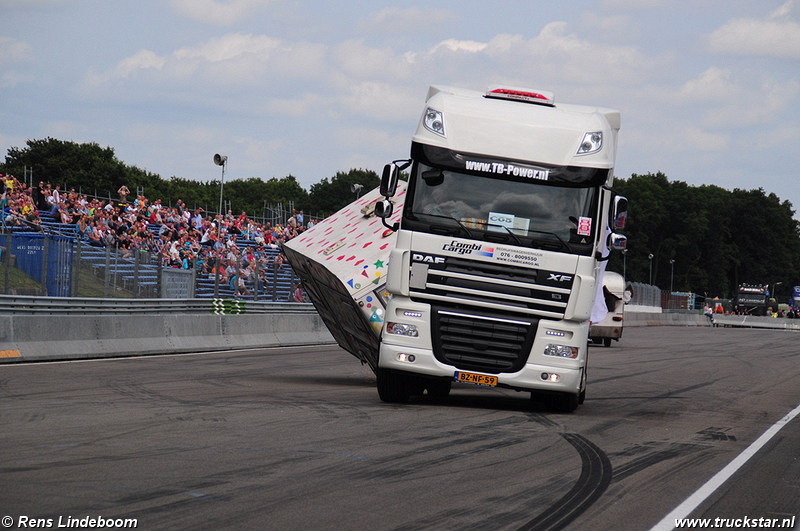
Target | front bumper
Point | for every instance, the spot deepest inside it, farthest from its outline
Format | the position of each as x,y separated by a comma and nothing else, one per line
529,378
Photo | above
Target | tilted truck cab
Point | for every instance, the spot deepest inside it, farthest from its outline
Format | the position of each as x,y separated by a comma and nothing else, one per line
498,245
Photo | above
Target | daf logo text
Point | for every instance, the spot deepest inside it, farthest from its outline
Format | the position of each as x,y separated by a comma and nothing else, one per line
427,259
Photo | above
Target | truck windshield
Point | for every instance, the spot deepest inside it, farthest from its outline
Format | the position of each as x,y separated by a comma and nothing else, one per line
494,209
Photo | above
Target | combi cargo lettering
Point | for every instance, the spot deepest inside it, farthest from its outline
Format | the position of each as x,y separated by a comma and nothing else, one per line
461,247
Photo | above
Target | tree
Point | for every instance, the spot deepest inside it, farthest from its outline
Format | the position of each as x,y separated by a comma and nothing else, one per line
328,197
717,238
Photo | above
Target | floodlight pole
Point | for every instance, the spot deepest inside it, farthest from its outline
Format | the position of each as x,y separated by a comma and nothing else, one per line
671,274
221,186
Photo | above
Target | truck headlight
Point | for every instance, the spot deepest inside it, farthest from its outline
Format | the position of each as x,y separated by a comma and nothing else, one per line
434,121
401,329
561,351
591,143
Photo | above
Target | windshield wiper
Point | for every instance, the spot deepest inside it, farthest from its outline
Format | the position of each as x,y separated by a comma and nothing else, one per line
469,234
564,244
516,238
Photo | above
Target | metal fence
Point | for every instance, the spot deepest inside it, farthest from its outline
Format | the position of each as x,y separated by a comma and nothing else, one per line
646,295
57,265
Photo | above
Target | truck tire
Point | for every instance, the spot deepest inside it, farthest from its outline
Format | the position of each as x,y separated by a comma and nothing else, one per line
607,341
439,388
393,387
561,402
567,402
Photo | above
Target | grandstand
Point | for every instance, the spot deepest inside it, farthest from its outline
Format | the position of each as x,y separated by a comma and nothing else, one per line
145,278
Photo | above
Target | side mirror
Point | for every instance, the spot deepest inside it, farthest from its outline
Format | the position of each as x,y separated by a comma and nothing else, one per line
389,180
391,173
620,212
384,208
618,242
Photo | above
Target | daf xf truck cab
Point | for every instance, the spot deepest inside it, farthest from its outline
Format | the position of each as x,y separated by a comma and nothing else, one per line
507,220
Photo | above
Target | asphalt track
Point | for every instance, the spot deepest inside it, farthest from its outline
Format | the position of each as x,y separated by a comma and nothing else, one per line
297,439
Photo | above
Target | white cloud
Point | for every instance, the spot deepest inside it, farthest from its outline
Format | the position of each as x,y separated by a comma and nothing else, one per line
234,61
300,106
357,59
696,139
776,35
634,5
726,100
396,20
375,101
143,60
13,51
712,85
454,45
223,13
231,46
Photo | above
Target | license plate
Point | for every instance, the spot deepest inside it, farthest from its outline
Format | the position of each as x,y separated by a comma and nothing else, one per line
480,379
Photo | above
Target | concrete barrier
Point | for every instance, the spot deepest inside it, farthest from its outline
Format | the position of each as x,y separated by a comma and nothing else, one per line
37,337
637,319
749,321
61,337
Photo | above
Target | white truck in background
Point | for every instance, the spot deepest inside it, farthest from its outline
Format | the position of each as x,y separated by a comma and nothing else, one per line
493,253
615,296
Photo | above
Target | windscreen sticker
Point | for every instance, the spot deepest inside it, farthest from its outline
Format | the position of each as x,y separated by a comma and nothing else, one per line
519,256
498,220
506,169
585,226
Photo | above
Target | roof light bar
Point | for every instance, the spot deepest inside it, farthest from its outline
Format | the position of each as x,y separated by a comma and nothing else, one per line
521,94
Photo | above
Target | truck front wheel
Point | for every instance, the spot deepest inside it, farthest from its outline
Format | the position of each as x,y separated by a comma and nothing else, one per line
566,402
559,402
393,387
438,388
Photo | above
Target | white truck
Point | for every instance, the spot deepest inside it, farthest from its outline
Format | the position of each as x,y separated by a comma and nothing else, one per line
615,296
497,250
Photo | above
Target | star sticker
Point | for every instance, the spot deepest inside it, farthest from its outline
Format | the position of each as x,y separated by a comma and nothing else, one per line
379,263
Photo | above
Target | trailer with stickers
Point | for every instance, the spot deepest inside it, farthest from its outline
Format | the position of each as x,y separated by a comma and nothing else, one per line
342,262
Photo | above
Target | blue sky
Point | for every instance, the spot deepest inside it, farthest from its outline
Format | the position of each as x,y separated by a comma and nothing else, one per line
709,90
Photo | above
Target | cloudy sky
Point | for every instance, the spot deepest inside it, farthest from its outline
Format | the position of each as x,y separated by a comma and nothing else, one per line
709,90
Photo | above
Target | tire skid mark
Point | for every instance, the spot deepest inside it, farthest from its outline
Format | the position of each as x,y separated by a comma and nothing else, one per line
653,458
596,473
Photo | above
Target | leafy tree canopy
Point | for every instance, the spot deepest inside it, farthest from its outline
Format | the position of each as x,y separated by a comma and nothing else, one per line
717,238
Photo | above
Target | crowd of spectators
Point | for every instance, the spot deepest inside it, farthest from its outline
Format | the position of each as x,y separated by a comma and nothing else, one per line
177,236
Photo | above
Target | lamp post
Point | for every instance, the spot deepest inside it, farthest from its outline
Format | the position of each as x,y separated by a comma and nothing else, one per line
650,257
671,274
624,266
774,293
221,160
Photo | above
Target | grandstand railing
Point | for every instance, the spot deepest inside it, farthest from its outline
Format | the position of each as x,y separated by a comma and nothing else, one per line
139,276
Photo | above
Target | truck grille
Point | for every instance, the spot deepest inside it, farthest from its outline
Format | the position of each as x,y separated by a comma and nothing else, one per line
467,283
483,343
485,315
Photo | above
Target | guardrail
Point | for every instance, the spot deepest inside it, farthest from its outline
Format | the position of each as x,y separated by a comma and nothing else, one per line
750,321
29,305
